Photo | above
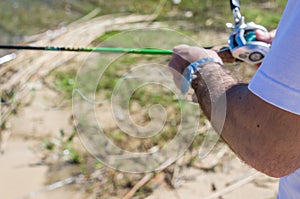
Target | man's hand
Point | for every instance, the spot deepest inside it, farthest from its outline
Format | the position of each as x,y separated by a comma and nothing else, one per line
267,37
183,55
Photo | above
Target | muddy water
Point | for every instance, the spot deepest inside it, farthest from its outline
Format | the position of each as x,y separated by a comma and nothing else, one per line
23,174
19,173
22,177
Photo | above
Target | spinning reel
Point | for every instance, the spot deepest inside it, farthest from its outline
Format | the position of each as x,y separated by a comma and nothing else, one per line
242,41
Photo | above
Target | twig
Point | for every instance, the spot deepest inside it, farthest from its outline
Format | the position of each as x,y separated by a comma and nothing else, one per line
136,187
234,186
174,180
4,136
53,186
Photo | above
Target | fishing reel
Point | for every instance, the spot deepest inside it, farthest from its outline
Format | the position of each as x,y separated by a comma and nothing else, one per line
242,41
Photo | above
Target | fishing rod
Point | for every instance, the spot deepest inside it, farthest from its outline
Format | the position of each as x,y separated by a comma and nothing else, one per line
223,52
90,49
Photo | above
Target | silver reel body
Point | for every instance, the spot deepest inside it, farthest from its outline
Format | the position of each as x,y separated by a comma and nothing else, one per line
243,43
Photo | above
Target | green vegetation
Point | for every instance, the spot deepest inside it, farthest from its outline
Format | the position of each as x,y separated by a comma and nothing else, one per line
214,14
64,81
114,72
63,147
20,18
106,36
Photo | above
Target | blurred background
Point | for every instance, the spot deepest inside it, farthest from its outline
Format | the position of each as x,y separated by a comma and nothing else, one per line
41,153
22,18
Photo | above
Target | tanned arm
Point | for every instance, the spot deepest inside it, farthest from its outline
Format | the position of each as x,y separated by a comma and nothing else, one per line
264,136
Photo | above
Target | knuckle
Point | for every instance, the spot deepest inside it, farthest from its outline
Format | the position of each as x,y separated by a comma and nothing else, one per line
180,47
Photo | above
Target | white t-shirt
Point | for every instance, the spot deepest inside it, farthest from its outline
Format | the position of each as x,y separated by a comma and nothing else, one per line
289,186
277,81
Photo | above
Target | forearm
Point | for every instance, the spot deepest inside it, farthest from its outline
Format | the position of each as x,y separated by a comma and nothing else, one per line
254,129
211,86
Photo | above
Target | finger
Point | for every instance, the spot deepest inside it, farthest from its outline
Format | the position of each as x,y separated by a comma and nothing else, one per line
186,52
272,34
178,49
178,63
264,36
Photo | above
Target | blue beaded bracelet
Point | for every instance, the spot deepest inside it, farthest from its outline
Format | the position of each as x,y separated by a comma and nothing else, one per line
190,70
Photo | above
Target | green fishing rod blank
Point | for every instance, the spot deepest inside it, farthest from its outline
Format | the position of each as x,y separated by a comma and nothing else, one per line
95,49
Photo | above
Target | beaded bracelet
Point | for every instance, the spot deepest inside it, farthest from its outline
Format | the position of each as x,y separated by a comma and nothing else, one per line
191,69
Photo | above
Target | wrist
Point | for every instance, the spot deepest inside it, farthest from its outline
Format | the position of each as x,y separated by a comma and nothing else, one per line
194,70
210,67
